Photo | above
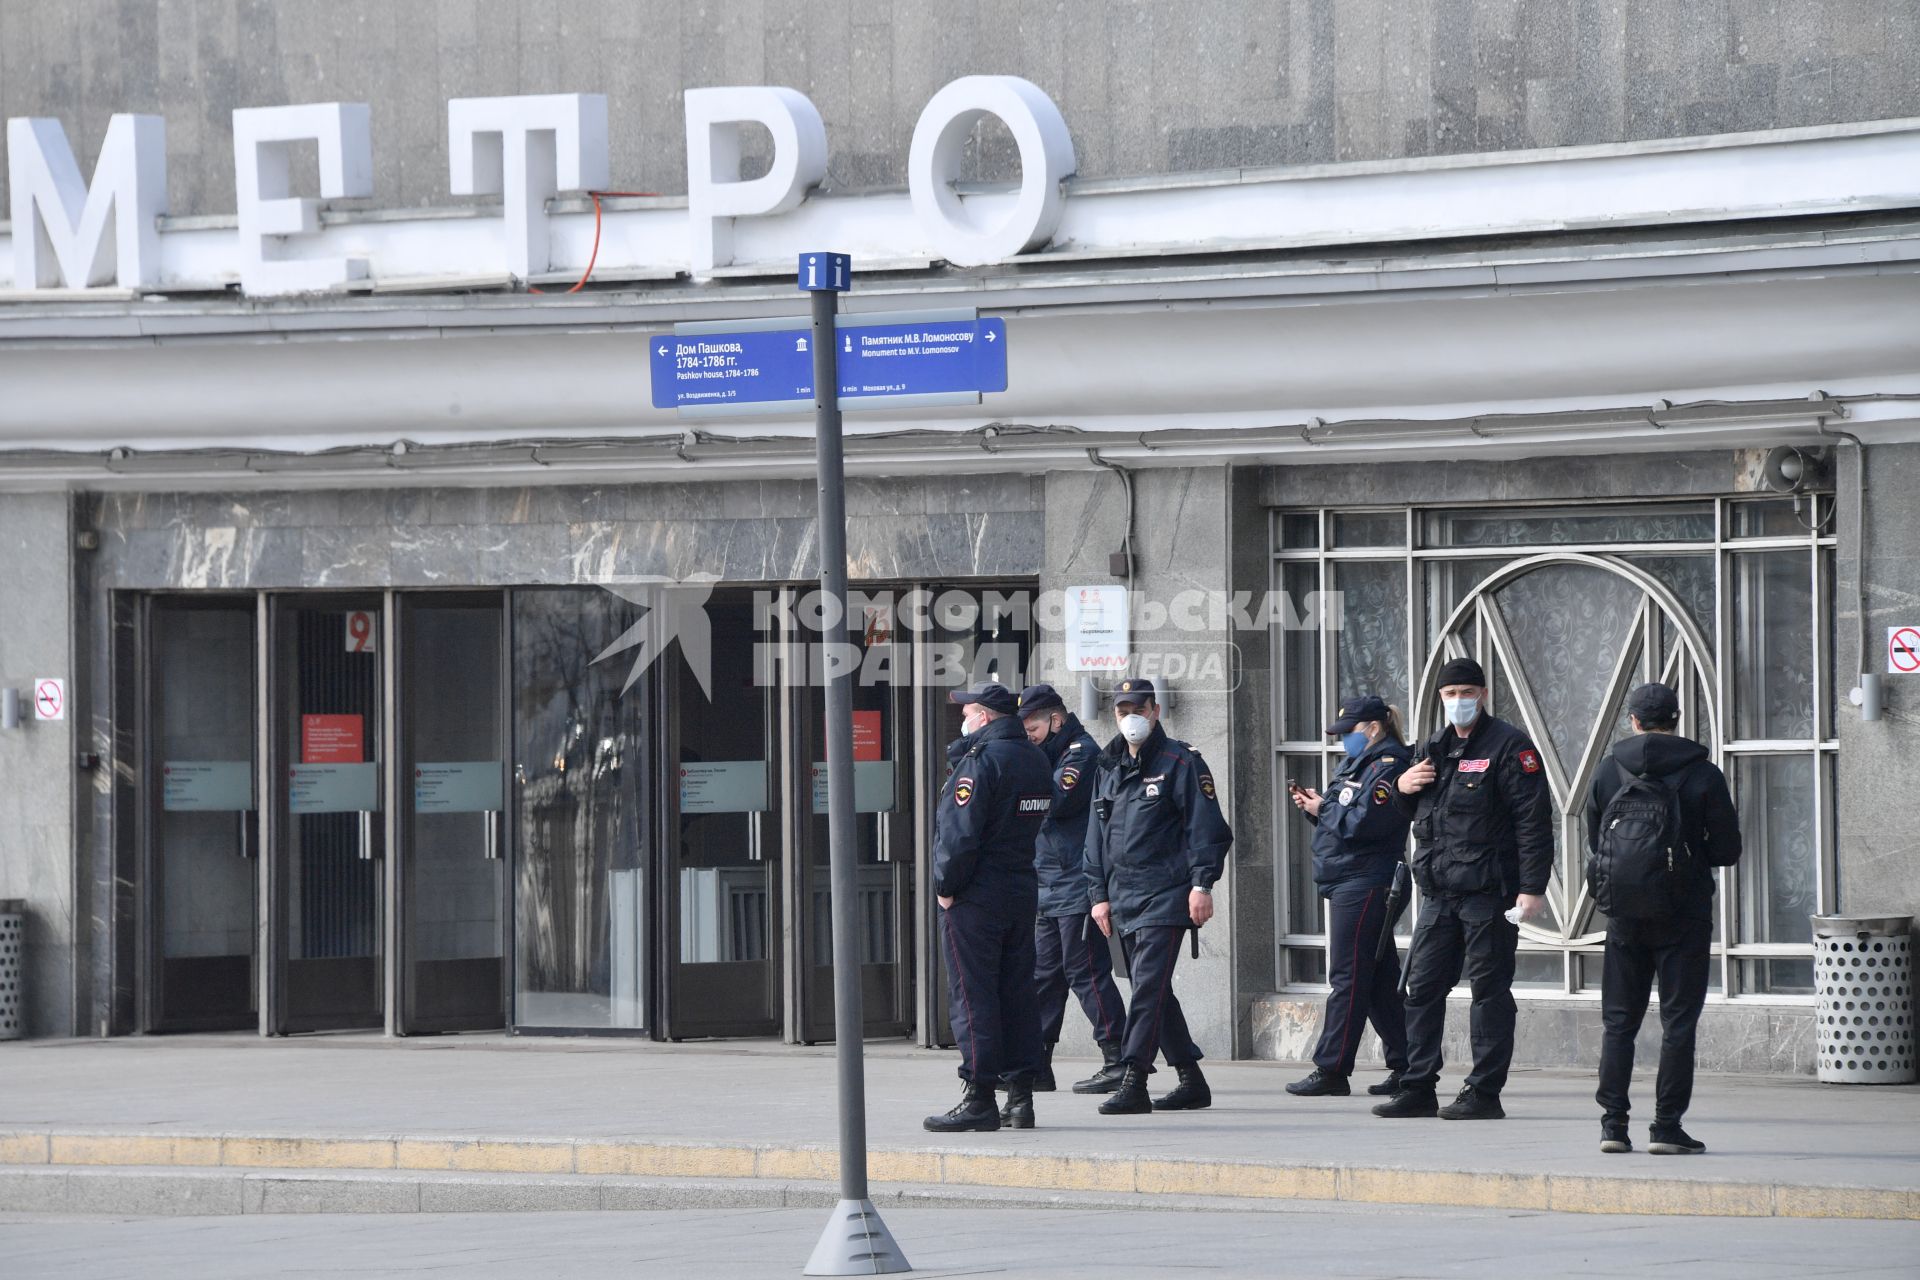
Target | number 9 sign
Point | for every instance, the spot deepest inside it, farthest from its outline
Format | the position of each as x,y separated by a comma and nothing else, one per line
360,632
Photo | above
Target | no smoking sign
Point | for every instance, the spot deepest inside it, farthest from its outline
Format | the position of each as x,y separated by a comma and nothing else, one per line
49,698
1903,651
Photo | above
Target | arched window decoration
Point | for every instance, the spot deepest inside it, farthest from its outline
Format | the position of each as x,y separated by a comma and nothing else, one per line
1728,599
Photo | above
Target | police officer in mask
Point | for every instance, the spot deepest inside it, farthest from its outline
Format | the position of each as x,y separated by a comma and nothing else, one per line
1359,840
992,805
1483,843
1070,952
1156,844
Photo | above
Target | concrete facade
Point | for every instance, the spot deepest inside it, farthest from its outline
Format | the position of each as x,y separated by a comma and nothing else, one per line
1146,87
37,759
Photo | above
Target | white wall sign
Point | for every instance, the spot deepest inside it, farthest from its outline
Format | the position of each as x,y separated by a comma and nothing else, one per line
49,698
1903,651
360,632
60,223
1096,628
206,786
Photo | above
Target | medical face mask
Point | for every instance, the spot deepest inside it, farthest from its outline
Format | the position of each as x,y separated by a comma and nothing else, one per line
972,724
1354,742
1135,728
1461,711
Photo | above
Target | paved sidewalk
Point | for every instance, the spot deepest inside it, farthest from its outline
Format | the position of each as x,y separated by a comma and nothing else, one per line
1779,1146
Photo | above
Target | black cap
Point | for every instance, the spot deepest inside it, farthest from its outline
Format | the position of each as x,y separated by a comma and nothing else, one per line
1036,698
1133,691
1462,671
994,697
1654,703
1355,710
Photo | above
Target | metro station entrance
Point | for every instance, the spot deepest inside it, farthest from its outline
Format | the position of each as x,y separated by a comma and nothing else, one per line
461,810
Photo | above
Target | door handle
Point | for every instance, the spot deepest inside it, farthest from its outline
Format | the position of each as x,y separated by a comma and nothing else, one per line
883,838
756,852
366,836
495,832
249,834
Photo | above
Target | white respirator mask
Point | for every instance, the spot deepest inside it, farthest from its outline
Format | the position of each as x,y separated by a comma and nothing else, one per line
1461,711
1135,728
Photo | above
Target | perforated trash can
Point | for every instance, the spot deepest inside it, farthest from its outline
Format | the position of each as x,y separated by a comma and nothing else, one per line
1863,976
13,938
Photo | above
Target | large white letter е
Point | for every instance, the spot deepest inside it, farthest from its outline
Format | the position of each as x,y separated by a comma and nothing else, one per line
60,223
262,151
939,145
715,193
527,149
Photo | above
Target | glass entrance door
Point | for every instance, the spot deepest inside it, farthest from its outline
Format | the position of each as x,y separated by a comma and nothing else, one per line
202,845
452,813
883,834
327,897
725,834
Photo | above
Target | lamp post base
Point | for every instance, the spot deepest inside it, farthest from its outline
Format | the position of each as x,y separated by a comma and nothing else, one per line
856,1243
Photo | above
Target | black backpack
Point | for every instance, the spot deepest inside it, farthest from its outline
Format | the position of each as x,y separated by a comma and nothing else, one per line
1639,871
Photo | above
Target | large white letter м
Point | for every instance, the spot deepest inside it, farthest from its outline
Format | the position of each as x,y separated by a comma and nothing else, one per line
60,223
262,152
528,149
715,193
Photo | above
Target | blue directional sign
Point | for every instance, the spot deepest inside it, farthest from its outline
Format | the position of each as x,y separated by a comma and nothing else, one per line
885,361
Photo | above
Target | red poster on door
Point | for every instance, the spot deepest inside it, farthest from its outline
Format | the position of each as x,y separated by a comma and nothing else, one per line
866,735
332,740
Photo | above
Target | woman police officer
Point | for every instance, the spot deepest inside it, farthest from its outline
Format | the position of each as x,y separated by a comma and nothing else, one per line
1359,838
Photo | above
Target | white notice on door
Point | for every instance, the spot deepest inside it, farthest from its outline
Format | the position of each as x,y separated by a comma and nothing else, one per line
206,786
457,786
723,786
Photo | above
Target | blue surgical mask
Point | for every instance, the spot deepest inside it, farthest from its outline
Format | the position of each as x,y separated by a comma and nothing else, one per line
1461,711
1354,742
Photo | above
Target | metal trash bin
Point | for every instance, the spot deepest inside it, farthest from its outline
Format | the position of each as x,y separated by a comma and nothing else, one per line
13,950
1863,977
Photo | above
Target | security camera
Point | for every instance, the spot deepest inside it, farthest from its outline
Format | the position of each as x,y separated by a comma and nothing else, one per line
1791,470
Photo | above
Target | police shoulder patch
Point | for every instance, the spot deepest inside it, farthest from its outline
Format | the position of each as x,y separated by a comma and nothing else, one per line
1206,785
1529,760
1039,804
1381,795
963,791
1069,778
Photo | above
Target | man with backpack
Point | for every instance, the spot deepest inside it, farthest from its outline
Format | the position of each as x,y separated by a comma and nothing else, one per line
1659,819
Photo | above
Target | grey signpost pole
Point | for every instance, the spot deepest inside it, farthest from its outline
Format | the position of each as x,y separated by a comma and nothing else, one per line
856,1242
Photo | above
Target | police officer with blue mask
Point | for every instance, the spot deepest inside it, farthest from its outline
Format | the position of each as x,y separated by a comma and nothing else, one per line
1483,845
1359,838
992,805
1155,847
1070,951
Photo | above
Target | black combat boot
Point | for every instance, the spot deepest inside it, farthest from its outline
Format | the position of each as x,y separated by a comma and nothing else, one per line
1018,1113
1130,1095
1474,1105
1410,1103
1107,1078
1320,1084
1613,1134
1043,1078
975,1114
1386,1088
1191,1094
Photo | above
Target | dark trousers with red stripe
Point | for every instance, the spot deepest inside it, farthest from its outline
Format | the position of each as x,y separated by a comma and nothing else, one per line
1363,990
1070,951
990,1001
1155,1022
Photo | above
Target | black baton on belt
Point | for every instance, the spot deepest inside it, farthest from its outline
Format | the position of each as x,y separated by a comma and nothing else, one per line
1396,906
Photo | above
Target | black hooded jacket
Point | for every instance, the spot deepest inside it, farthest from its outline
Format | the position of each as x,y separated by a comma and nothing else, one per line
1709,823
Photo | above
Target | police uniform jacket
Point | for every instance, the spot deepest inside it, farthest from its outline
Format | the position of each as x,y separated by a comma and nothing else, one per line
1157,832
1485,823
1060,854
996,795
1361,834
